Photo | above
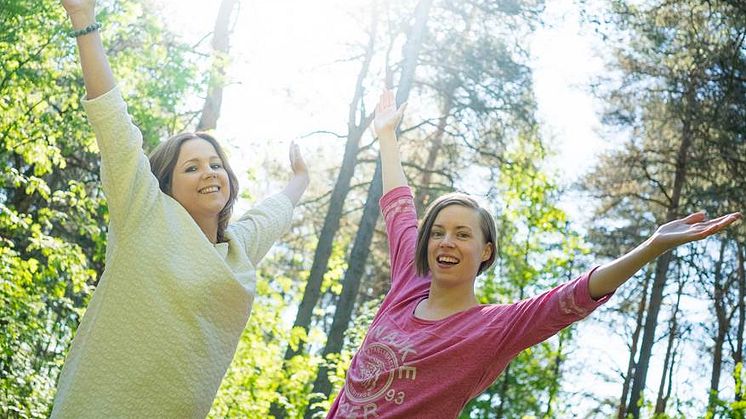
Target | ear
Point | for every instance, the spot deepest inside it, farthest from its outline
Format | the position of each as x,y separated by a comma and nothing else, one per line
487,252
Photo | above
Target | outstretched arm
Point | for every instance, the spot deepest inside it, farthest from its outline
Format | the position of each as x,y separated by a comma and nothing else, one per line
97,74
299,182
694,227
385,123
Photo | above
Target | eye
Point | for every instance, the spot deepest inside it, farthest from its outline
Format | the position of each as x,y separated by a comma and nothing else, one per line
436,234
216,165
464,235
191,169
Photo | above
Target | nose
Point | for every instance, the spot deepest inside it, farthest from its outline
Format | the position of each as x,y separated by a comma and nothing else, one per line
447,241
211,173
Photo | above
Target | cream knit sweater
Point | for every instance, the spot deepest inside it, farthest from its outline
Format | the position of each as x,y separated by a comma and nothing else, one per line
168,311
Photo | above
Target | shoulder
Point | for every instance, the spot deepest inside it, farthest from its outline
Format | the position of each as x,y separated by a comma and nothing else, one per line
397,200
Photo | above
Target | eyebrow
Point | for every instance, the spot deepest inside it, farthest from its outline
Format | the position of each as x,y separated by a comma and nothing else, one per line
459,226
196,159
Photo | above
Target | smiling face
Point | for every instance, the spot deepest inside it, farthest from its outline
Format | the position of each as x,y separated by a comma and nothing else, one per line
199,181
456,246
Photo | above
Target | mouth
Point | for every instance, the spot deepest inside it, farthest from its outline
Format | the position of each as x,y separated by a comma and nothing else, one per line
209,189
447,261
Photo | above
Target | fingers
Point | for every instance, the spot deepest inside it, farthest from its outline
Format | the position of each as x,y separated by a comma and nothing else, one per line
717,224
696,217
297,163
727,220
401,109
381,106
387,115
385,101
723,219
389,96
295,153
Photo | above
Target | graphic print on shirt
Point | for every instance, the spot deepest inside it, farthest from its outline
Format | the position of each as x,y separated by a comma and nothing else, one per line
382,364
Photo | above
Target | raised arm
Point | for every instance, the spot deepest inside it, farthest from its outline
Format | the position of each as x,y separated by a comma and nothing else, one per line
385,123
299,182
610,276
97,74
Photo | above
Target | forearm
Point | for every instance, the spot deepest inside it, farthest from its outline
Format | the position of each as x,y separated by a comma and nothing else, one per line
391,169
296,187
674,233
610,276
97,73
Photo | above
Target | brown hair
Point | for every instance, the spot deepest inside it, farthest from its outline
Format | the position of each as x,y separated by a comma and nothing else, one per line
487,224
163,160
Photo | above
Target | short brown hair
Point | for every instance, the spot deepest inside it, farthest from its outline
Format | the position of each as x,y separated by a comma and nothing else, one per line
486,223
163,160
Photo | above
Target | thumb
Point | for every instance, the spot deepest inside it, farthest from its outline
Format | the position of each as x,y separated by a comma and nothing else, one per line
293,151
695,217
401,109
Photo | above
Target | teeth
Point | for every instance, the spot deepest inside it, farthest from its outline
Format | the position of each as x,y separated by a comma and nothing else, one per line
209,189
447,259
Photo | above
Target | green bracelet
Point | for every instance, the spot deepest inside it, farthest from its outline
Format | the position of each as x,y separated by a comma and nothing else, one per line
88,29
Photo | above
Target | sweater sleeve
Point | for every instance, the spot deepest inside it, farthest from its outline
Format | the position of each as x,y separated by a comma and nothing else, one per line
397,207
260,227
127,181
534,320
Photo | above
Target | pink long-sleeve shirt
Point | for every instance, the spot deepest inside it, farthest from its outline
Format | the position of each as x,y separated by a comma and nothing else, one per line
408,367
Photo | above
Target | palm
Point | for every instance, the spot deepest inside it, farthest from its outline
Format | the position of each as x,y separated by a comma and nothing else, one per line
387,115
78,6
297,163
691,228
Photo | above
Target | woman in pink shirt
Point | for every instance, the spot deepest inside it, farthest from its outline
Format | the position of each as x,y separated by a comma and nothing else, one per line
432,347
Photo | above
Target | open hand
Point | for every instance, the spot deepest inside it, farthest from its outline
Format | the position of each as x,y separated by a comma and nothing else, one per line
691,228
79,7
81,12
387,115
297,164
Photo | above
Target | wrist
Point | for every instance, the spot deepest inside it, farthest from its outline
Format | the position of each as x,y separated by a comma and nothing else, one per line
387,135
83,19
302,177
653,248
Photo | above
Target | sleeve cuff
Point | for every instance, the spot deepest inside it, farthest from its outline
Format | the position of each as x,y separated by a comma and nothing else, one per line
284,207
104,106
583,294
395,194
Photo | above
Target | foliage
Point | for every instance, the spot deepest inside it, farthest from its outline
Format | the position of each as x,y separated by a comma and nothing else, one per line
52,213
676,89
536,251
680,67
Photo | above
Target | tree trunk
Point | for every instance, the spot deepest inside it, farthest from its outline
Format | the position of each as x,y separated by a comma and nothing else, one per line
423,196
661,399
669,390
357,123
503,393
351,281
738,352
355,130
622,412
361,246
557,368
722,329
661,268
211,109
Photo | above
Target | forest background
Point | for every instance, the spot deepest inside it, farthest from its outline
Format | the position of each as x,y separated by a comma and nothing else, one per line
581,125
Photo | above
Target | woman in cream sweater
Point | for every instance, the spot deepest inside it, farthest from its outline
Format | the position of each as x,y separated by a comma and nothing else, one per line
164,322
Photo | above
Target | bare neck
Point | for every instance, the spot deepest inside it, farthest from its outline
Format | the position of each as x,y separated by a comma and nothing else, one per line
444,301
209,226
